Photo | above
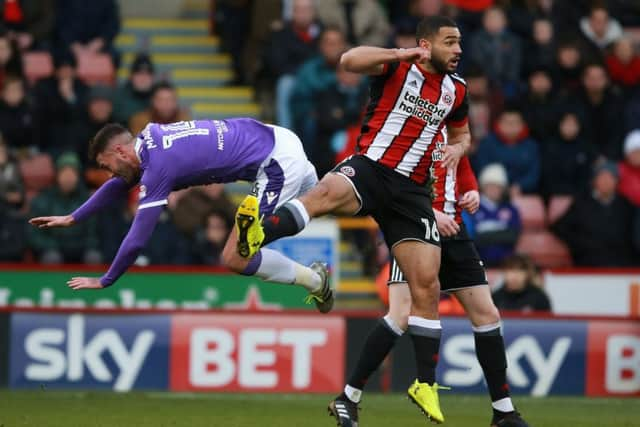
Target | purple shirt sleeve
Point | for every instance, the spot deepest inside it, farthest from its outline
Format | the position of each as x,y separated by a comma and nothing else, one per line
114,189
140,232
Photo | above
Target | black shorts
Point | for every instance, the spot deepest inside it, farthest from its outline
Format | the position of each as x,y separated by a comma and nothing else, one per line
401,207
460,264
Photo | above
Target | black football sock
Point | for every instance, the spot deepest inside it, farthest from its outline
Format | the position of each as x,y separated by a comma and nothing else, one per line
288,220
493,360
379,343
425,334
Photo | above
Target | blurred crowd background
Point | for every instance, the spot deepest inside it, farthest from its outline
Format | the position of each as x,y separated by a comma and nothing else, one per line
553,87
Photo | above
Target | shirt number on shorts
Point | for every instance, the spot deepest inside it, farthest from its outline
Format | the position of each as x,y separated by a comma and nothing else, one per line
430,230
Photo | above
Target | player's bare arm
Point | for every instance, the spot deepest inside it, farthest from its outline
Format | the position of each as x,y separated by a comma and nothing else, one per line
52,221
370,60
457,145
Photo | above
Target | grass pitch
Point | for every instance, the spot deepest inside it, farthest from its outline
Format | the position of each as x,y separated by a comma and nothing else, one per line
95,409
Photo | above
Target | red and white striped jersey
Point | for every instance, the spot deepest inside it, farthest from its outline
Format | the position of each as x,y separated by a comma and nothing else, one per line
407,112
449,184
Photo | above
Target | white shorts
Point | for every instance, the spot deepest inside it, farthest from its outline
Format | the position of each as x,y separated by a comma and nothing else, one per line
285,174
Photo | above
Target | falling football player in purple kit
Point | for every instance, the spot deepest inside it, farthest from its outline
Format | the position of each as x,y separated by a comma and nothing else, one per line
164,158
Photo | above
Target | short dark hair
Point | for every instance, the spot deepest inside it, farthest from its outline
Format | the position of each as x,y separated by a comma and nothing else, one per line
163,85
100,142
430,26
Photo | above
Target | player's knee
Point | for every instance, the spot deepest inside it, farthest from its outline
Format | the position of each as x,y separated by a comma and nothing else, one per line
486,315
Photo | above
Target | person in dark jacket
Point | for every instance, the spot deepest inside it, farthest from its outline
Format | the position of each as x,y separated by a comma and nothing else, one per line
134,95
566,158
64,245
518,291
599,224
540,109
17,116
87,27
286,49
210,239
13,230
61,103
30,22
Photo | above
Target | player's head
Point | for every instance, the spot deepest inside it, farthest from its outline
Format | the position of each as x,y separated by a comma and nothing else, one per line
112,149
442,36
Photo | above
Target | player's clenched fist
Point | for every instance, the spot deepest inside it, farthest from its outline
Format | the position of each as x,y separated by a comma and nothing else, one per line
415,54
52,221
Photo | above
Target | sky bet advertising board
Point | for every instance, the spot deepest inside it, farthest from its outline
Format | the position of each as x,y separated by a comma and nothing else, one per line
302,353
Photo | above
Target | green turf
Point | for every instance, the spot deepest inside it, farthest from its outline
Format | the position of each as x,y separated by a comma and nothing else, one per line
69,409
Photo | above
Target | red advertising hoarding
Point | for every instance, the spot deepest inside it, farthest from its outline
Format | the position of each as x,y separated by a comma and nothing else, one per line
235,352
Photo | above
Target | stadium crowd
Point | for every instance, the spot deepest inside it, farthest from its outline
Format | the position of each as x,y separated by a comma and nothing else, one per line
554,97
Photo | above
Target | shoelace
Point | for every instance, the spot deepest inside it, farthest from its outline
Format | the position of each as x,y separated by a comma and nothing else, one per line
309,299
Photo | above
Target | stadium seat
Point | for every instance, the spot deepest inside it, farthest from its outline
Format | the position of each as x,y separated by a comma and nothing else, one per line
37,65
96,68
38,172
544,248
558,205
532,212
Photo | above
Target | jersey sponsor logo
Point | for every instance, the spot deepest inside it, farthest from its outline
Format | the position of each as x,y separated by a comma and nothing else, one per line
413,83
221,128
348,171
422,109
271,196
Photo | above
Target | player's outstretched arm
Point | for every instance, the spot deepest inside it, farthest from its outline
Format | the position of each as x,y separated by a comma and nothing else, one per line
111,191
52,221
370,60
136,239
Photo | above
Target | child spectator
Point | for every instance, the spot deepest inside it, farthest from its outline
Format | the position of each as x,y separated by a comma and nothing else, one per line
496,225
518,292
510,145
164,108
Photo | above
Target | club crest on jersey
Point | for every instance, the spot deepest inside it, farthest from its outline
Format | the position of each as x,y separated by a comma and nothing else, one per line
447,98
348,171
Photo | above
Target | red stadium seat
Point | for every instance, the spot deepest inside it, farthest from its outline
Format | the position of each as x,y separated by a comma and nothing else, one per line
37,65
544,248
96,68
38,172
532,212
558,205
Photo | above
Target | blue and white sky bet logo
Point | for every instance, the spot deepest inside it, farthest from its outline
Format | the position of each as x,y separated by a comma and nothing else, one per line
83,351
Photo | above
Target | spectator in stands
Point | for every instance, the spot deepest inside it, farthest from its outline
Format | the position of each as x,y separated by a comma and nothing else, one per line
30,22
164,108
17,116
314,76
601,106
12,223
135,94
624,64
598,225
485,103
540,107
404,34
335,109
496,225
568,66
286,49
510,145
599,28
566,158
210,239
629,185
541,49
363,22
192,208
76,244
497,50
87,27
61,103
233,24
99,113
10,57
518,292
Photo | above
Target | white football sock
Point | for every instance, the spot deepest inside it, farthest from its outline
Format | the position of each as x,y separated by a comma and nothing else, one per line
503,405
276,267
353,393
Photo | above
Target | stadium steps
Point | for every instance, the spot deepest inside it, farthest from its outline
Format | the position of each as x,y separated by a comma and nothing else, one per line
183,52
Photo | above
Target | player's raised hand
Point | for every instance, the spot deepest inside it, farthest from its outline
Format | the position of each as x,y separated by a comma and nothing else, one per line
447,226
52,221
470,201
414,55
451,155
84,283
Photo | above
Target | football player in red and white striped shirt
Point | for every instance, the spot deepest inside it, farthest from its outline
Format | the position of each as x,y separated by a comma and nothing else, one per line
417,105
